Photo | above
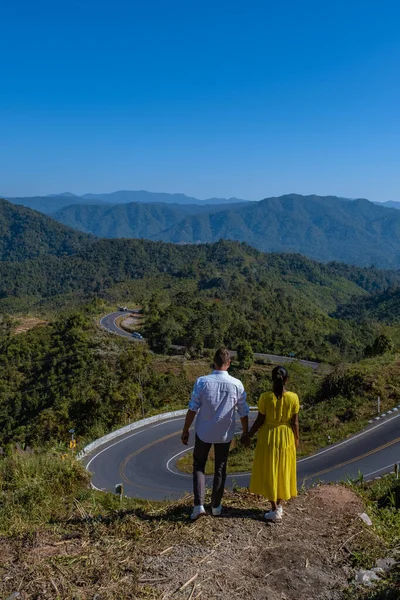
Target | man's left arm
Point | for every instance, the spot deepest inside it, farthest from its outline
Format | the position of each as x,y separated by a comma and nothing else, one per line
190,415
243,410
194,406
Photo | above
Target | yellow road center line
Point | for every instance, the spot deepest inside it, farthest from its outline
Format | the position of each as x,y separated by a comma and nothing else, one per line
323,472
133,454
351,460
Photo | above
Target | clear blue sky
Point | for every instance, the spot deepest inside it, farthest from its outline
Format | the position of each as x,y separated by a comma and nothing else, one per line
247,99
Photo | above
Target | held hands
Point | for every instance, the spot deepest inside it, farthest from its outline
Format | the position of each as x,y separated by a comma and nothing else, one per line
297,442
185,438
245,439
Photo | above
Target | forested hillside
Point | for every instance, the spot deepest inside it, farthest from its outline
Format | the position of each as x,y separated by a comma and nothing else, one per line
200,296
67,373
326,228
196,296
102,263
53,202
391,204
26,234
121,220
62,375
383,307
133,220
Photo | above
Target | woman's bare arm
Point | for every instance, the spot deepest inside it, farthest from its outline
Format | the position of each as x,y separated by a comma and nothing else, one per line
294,423
255,427
257,424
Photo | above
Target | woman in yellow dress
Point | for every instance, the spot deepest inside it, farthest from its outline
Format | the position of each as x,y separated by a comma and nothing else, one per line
274,467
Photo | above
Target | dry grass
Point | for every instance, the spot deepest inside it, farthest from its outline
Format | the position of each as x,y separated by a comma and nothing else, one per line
24,324
131,322
156,552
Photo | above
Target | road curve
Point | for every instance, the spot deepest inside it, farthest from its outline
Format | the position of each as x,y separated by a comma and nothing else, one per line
145,460
109,322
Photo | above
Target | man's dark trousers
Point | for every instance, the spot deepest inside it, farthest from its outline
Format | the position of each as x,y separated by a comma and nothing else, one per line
200,455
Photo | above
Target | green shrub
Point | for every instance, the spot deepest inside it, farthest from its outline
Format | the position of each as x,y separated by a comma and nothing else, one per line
36,487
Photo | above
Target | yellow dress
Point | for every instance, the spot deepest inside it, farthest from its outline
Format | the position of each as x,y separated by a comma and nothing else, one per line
274,467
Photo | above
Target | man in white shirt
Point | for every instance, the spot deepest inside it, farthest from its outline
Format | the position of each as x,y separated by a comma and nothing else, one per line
215,399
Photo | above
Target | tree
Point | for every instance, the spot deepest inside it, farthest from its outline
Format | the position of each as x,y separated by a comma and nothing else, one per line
382,344
245,355
135,368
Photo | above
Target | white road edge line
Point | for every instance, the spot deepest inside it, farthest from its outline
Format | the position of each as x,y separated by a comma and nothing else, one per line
96,488
111,445
229,476
163,422
175,456
354,437
125,333
379,470
120,328
330,448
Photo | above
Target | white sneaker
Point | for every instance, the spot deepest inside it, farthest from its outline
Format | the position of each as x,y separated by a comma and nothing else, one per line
273,516
279,510
198,511
217,511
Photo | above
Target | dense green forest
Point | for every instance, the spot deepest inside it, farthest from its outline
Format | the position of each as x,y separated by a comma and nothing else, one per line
325,228
196,296
382,307
70,374
132,220
26,234
65,375
105,262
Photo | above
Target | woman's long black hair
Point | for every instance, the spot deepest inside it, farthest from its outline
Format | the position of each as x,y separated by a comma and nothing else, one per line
279,378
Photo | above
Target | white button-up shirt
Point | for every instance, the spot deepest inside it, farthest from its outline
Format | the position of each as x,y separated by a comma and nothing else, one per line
215,398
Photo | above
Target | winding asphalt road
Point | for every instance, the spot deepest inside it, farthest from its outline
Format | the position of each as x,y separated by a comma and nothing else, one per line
109,322
145,460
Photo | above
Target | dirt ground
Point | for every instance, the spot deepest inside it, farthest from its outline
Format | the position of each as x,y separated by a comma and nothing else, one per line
26,323
131,322
300,559
159,554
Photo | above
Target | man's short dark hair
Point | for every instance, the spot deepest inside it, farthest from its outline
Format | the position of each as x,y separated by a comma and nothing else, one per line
221,357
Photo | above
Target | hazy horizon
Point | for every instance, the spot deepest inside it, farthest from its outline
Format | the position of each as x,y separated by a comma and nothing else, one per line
188,195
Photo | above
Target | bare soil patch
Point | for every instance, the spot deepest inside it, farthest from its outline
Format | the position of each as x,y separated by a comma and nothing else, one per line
154,553
27,323
243,557
132,322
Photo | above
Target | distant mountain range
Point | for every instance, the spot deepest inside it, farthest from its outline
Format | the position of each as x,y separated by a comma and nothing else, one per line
389,204
133,220
42,259
37,254
325,228
53,202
